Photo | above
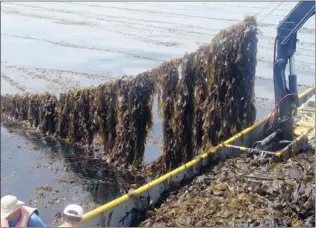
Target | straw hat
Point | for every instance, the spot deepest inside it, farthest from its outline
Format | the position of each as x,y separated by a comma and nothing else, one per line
74,210
9,205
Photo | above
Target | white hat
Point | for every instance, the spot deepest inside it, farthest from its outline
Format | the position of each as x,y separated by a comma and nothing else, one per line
9,205
74,210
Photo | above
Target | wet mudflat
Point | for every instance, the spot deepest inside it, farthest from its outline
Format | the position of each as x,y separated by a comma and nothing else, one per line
244,192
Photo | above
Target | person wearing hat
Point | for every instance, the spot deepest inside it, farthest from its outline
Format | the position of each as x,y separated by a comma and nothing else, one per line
73,214
14,213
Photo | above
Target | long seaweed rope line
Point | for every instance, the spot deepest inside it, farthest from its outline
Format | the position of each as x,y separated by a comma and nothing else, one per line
271,11
264,8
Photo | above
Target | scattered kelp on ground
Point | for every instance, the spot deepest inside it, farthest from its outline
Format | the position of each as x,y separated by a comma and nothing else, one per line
244,192
204,98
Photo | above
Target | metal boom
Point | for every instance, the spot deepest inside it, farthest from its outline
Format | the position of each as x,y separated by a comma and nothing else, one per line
285,47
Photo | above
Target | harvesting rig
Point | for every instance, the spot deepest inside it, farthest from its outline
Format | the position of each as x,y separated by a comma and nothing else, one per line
282,134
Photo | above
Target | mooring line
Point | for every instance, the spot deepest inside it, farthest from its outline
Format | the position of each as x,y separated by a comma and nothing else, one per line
70,45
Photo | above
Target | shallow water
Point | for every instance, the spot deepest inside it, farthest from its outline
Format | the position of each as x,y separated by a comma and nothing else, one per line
28,163
56,46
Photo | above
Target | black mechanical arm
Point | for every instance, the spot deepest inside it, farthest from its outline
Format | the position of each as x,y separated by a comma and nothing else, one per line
284,50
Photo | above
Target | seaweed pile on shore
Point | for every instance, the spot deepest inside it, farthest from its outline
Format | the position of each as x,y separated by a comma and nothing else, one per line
244,192
204,97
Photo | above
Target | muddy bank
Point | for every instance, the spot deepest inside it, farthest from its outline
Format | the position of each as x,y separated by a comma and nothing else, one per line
204,98
244,192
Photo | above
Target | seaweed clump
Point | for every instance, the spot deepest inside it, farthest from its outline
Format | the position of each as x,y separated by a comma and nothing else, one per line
116,116
77,121
33,110
134,119
208,96
229,107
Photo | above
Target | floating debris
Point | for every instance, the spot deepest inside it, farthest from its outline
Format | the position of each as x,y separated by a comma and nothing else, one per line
44,188
55,200
70,181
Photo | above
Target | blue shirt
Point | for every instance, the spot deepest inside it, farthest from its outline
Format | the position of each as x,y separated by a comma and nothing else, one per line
34,221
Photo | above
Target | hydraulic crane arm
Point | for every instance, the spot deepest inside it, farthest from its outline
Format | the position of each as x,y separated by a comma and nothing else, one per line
285,47
282,130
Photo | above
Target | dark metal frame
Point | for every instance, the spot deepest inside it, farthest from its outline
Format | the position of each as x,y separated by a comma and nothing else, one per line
285,47
286,99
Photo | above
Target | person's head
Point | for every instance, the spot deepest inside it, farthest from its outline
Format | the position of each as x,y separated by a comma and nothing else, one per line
10,207
73,214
